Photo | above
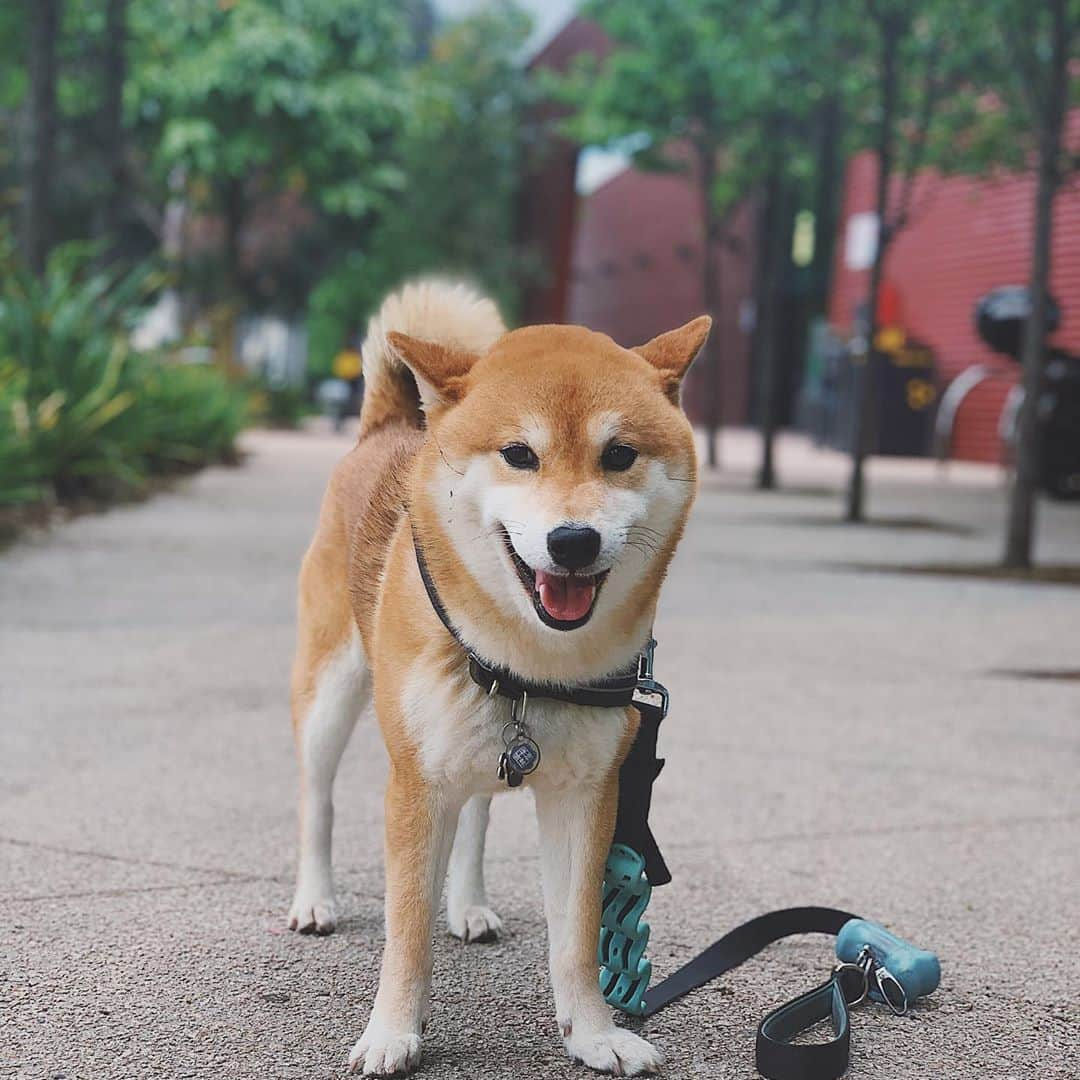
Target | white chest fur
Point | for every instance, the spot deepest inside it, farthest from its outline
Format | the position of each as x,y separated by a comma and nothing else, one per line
458,734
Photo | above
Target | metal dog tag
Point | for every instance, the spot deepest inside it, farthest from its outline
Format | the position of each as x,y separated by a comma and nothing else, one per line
522,755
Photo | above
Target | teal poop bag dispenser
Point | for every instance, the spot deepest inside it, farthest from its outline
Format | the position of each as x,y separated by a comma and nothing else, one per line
902,973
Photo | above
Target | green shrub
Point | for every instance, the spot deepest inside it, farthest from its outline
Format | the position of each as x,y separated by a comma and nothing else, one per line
82,414
21,478
280,406
188,415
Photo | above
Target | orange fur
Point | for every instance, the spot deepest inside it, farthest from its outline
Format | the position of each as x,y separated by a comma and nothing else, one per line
570,389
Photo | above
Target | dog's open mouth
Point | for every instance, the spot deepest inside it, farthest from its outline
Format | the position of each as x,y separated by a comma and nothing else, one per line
561,601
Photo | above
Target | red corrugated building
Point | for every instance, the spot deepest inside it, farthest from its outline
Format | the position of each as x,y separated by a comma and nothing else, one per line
965,238
626,259
637,271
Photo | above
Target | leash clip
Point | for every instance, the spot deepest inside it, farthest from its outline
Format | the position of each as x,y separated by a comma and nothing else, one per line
859,970
867,967
647,686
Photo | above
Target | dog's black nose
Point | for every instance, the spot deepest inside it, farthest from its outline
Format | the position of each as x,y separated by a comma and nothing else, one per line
573,546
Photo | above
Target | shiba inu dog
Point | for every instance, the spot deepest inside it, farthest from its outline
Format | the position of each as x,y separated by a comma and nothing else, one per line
515,497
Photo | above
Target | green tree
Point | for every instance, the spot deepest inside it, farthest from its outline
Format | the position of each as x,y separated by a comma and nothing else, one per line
678,72
1035,46
249,100
44,33
916,58
746,87
798,66
459,152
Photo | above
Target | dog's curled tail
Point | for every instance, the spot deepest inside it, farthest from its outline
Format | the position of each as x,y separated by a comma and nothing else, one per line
432,309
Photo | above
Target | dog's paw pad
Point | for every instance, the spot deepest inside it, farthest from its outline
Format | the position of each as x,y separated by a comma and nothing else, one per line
614,1050
384,1054
475,923
313,914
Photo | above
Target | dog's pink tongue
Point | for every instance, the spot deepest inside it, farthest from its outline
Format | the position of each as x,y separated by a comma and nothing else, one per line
565,598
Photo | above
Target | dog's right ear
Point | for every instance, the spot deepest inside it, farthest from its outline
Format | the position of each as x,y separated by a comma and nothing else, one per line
439,370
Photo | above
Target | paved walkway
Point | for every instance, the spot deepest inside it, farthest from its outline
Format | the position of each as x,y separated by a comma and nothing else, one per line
838,736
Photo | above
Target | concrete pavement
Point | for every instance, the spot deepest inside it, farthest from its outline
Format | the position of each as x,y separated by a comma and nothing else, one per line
839,735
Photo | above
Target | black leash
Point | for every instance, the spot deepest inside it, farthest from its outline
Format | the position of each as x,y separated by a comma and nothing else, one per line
777,1057
869,951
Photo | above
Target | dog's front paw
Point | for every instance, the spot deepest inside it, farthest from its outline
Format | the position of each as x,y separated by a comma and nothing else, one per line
382,1052
313,912
613,1050
473,922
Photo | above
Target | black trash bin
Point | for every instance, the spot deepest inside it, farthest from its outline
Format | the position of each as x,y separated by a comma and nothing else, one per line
906,391
1059,423
1000,317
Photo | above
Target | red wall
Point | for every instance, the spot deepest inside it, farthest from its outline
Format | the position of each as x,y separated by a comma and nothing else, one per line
965,238
637,272
546,202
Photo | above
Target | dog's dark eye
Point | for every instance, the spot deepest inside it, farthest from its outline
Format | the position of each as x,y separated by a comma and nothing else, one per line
519,456
618,457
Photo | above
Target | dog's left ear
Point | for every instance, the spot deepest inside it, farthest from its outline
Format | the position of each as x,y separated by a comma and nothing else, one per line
672,353
439,370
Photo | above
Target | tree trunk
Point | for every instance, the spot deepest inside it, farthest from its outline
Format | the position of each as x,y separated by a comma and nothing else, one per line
826,201
233,213
114,72
1021,521
44,22
233,210
710,287
773,247
864,403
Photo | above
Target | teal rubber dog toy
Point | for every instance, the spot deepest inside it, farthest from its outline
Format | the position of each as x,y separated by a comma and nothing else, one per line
624,935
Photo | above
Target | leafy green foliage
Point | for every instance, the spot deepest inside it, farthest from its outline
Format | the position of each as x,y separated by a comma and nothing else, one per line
991,116
80,413
733,79
247,101
460,151
280,406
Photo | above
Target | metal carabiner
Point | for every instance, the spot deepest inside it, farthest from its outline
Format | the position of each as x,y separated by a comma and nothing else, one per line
891,990
646,682
861,968
518,717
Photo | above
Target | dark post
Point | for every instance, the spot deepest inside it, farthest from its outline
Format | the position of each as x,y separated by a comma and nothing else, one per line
710,284
114,71
890,29
44,23
775,234
1021,520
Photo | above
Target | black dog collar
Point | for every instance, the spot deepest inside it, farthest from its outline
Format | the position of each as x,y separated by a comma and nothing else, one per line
617,690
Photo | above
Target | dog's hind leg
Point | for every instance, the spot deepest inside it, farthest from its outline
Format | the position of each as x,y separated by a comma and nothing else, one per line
467,913
326,704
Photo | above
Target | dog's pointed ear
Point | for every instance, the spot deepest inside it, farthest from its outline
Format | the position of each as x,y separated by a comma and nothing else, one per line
672,353
439,370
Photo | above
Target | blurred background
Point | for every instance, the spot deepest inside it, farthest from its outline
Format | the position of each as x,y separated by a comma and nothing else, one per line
203,200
